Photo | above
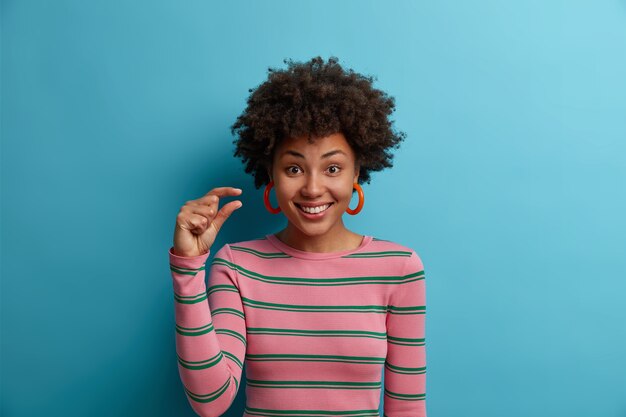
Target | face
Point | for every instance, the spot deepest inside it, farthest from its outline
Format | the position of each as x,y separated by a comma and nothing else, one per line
313,182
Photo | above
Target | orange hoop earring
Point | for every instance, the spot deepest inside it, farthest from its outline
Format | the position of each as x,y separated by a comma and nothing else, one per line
266,199
361,200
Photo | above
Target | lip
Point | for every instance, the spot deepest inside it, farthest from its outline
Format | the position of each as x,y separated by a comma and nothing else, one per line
321,203
313,216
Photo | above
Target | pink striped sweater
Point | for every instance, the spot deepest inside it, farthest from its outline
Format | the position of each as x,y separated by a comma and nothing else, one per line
316,331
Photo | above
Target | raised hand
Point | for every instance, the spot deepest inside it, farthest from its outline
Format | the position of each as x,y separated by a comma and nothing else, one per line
199,221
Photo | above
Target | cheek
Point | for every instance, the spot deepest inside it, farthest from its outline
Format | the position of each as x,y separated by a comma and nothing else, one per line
283,192
345,192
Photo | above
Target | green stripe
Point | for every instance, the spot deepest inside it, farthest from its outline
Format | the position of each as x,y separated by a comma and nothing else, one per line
405,397
260,254
315,308
222,287
206,398
195,365
227,311
185,271
334,308
316,333
286,357
402,370
190,299
313,384
390,280
403,341
309,413
194,331
232,333
233,358
383,254
407,310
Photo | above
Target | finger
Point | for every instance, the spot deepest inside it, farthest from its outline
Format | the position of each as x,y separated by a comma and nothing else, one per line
213,196
224,191
207,205
225,213
208,211
195,222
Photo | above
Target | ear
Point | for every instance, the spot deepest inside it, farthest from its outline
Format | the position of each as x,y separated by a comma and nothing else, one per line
356,173
269,172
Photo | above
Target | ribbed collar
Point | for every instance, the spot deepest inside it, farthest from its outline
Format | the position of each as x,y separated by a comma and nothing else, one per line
297,253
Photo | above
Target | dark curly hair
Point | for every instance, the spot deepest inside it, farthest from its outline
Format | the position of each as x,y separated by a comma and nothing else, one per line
316,99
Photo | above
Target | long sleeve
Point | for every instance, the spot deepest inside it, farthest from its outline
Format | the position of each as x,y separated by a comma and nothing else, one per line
405,365
210,330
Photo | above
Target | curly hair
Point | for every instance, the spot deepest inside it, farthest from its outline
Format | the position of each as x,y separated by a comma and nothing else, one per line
316,99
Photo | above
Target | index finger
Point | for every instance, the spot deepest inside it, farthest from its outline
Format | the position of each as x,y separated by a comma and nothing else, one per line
224,191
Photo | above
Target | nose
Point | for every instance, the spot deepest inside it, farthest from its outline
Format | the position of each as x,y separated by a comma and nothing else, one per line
313,186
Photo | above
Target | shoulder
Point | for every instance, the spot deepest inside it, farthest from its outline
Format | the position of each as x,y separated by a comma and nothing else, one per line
254,248
410,290
388,244
412,260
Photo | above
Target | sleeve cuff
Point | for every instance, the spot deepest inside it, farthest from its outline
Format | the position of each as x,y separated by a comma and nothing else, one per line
187,261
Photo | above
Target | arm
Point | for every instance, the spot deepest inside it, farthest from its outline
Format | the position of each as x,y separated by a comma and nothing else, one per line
210,331
405,366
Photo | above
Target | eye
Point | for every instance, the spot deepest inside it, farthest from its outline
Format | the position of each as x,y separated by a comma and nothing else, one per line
293,169
334,169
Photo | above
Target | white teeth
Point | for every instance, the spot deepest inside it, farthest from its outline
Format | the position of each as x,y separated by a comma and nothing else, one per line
315,210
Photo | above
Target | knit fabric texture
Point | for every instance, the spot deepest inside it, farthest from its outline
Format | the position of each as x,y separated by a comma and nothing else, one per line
316,331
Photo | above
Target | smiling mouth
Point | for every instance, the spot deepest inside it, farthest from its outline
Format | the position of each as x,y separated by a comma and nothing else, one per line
314,210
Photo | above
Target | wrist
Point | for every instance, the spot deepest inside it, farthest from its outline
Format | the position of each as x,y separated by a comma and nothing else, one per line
184,254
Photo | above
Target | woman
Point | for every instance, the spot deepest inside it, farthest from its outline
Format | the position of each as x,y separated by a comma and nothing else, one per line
318,312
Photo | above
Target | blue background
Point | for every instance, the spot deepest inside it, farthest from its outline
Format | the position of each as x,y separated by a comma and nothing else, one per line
510,186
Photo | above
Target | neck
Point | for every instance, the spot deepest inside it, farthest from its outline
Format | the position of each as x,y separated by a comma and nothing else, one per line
336,239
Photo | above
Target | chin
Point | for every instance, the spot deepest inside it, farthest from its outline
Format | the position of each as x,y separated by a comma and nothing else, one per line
313,230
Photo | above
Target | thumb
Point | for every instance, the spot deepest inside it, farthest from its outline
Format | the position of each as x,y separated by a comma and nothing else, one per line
224,213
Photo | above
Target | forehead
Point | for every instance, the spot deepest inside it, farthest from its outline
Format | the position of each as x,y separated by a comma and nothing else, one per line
317,147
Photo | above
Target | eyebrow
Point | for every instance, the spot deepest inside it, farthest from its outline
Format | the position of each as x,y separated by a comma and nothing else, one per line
326,155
